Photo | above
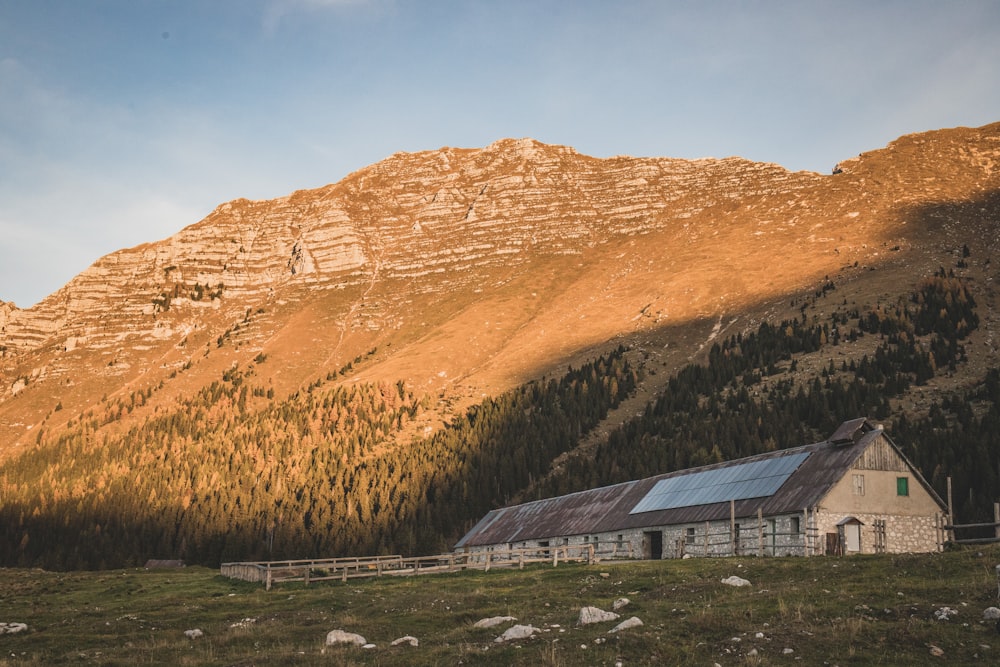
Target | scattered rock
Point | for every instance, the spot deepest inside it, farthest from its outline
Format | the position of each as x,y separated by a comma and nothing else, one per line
341,637
12,628
493,621
945,613
752,653
620,603
991,614
735,581
590,615
246,622
408,640
369,646
193,634
936,651
517,632
633,622
788,651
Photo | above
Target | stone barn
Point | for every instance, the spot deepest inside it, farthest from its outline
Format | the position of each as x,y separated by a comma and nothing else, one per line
853,493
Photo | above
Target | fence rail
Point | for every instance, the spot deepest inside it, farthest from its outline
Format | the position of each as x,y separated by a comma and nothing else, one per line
995,525
325,569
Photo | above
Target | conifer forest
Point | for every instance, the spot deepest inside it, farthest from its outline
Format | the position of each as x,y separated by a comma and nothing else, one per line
337,469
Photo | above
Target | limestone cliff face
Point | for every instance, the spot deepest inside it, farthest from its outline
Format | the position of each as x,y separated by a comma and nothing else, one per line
439,214
493,263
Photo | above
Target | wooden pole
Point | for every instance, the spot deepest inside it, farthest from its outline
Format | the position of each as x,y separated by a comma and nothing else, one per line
760,530
951,514
705,555
804,529
996,520
733,537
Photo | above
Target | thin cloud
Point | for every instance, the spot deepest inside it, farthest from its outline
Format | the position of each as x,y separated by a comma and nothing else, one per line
277,10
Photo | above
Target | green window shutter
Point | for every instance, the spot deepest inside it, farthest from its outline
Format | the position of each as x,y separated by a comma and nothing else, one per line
902,486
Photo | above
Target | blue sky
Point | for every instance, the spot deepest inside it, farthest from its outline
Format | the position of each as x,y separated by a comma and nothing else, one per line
123,121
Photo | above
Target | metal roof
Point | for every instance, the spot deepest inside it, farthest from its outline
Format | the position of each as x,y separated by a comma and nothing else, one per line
818,467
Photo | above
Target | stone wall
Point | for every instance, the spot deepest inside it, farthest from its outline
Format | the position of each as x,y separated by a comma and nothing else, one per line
903,534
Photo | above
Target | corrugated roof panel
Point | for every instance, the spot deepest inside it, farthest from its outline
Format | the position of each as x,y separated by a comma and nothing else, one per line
754,479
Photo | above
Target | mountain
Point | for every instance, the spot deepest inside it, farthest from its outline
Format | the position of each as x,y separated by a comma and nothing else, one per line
449,277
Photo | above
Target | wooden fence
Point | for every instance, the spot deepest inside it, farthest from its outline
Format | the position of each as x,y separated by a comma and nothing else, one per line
748,536
310,570
953,529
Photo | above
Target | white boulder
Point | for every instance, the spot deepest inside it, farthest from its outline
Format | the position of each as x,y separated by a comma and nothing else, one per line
516,632
407,640
991,614
12,628
193,634
342,637
735,581
633,622
620,603
590,615
492,621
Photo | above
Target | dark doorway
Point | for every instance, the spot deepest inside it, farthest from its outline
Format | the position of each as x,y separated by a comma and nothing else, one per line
652,545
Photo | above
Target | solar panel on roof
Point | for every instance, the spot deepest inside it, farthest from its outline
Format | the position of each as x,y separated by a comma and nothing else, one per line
756,479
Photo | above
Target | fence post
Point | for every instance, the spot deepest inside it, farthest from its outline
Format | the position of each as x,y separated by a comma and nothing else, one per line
760,530
804,528
733,537
950,533
996,520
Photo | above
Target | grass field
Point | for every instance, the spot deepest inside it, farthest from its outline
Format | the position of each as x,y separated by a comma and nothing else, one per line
860,610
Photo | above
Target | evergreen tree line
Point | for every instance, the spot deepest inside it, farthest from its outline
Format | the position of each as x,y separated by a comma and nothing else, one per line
740,403
329,471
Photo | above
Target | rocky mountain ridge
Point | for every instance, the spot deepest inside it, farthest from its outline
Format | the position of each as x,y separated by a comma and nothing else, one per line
464,271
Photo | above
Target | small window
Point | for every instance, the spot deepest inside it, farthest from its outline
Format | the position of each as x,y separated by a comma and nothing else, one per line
586,539
902,486
859,485
796,528
689,536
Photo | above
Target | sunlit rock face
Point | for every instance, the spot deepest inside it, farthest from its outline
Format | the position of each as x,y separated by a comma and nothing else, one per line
433,217
519,254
